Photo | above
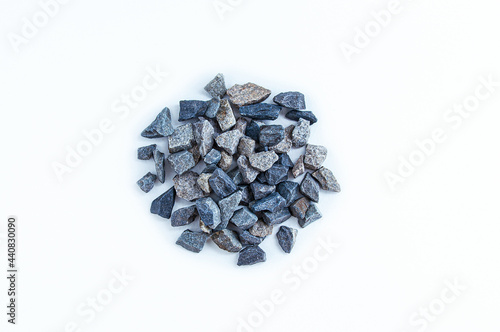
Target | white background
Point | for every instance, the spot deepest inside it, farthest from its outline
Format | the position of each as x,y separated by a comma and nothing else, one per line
397,247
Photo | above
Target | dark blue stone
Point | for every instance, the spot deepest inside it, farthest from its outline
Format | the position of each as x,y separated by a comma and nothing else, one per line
192,241
213,157
184,216
164,204
244,218
221,183
278,217
271,203
248,239
236,176
284,159
306,115
146,152
209,212
161,126
212,107
251,255
271,134
147,182
246,195
309,187
276,174
261,178
293,99
261,111
261,190
253,130
191,109
290,191
286,238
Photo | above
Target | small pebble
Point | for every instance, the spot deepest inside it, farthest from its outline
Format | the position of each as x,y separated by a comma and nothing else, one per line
184,216
164,204
229,141
159,159
290,191
286,238
278,217
244,218
261,111
212,107
312,215
307,115
191,109
315,156
326,179
225,116
226,161
186,186
286,143
204,136
262,161
192,241
246,146
294,100
271,134
299,208
228,205
221,184
300,134
213,157
161,126
208,211
181,139
203,182
298,169
251,255
247,239
310,188
276,174
248,173
216,87
227,240
146,152
247,94
147,182
260,190
271,203
181,162
261,229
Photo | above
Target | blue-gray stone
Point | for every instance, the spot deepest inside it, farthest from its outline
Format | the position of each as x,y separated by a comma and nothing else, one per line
261,190
227,239
192,241
217,86
159,159
181,139
276,174
246,195
244,218
147,182
248,239
290,191
228,205
307,115
271,134
212,108
164,204
191,109
293,99
146,152
284,159
184,216
286,238
210,169
181,162
251,255
253,130
161,126
310,187
271,203
236,176
221,183
260,111
213,157
278,217
312,215
209,212
261,178
248,173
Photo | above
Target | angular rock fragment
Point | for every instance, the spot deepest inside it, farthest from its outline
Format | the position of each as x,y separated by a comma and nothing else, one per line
212,108
147,182
191,109
262,161
159,159
226,161
298,169
247,94
227,240
241,125
285,145
164,204
204,228
260,190
216,127
326,179
209,212
192,241
261,229
181,162
289,190
184,216
271,134
261,178
315,156
246,195
146,152
261,111
271,203
235,176
229,141
312,215
276,174
195,151
278,217
228,205
213,157
248,239
216,87
209,169
307,115
251,255
246,146
286,238
310,188
181,139
253,130
203,182
225,116
221,184
161,126
294,100
204,136
284,159
244,218
248,173
301,133
186,186
299,208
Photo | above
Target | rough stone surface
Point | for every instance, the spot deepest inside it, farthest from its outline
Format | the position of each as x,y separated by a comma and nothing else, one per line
284,159
253,130
286,238
278,217
246,146
246,195
248,239
271,203
236,176
262,161
229,141
204,136
195,151
221,184
261,178
161,126
299,208
209,212
261,111
248,173
181,162
204,228
184,216
228,205
241,125
186,186
310,187
203,182
244,218
212,108
260,190
271,134
146,152
225,116
213,157
226,161
276,174
312,215
261,229
181,139
164,204
294,100
326,179
289,190
251,255
301,133
191,109
147,182
227,240
217,86
159,159
315,156
247,94
298,169
192,241
285,145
